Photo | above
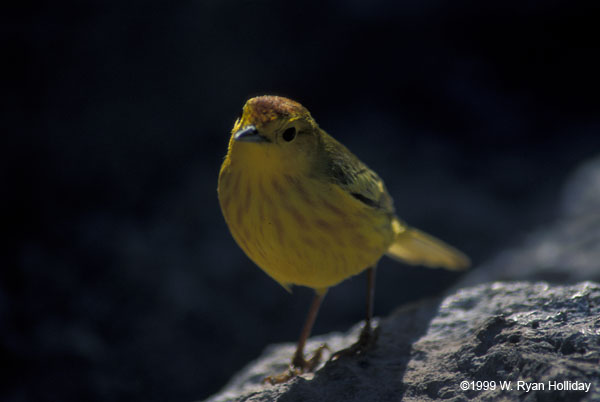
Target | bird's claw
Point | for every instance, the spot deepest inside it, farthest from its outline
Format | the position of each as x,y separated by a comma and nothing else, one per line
367,338
299,365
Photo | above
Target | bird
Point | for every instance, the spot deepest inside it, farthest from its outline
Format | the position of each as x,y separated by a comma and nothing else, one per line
309,213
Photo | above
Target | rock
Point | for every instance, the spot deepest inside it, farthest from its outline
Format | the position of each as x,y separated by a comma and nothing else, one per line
502,333
581,195
566,251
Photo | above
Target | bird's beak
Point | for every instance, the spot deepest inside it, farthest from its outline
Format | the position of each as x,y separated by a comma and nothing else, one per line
249,134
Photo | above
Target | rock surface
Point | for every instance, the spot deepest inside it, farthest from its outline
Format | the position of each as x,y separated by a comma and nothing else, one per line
565,251
530,332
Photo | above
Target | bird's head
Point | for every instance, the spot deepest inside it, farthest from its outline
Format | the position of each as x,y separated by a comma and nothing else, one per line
273,129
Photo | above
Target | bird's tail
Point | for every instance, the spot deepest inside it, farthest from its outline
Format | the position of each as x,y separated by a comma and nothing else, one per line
418,248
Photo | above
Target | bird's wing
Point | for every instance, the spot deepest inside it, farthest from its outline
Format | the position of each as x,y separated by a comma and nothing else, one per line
344,169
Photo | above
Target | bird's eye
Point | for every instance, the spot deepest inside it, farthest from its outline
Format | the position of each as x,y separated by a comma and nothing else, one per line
289,134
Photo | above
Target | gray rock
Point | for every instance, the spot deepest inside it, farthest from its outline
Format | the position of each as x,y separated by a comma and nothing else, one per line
581,195
535,333
565,251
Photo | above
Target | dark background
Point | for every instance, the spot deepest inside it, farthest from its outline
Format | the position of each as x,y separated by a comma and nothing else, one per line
121,281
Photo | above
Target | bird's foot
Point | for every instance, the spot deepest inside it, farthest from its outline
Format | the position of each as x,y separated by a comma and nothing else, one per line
299,365
367,338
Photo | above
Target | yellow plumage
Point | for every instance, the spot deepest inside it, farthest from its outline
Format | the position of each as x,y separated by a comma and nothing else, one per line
307,211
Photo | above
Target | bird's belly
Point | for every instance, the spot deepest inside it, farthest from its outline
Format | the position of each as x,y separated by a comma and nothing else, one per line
303,234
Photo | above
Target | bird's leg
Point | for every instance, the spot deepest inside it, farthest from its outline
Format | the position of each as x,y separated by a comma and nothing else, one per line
299,364
298,361
367,336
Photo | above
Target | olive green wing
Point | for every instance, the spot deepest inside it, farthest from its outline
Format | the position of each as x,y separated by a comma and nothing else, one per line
344,169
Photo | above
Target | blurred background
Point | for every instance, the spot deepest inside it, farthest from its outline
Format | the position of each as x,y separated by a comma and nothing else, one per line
120,279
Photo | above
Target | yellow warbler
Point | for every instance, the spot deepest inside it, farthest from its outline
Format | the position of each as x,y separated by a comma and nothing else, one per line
309,212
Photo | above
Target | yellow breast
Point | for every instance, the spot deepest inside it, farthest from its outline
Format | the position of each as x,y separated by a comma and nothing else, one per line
300,230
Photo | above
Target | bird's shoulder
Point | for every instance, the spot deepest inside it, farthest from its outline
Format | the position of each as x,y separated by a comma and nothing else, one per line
342,168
